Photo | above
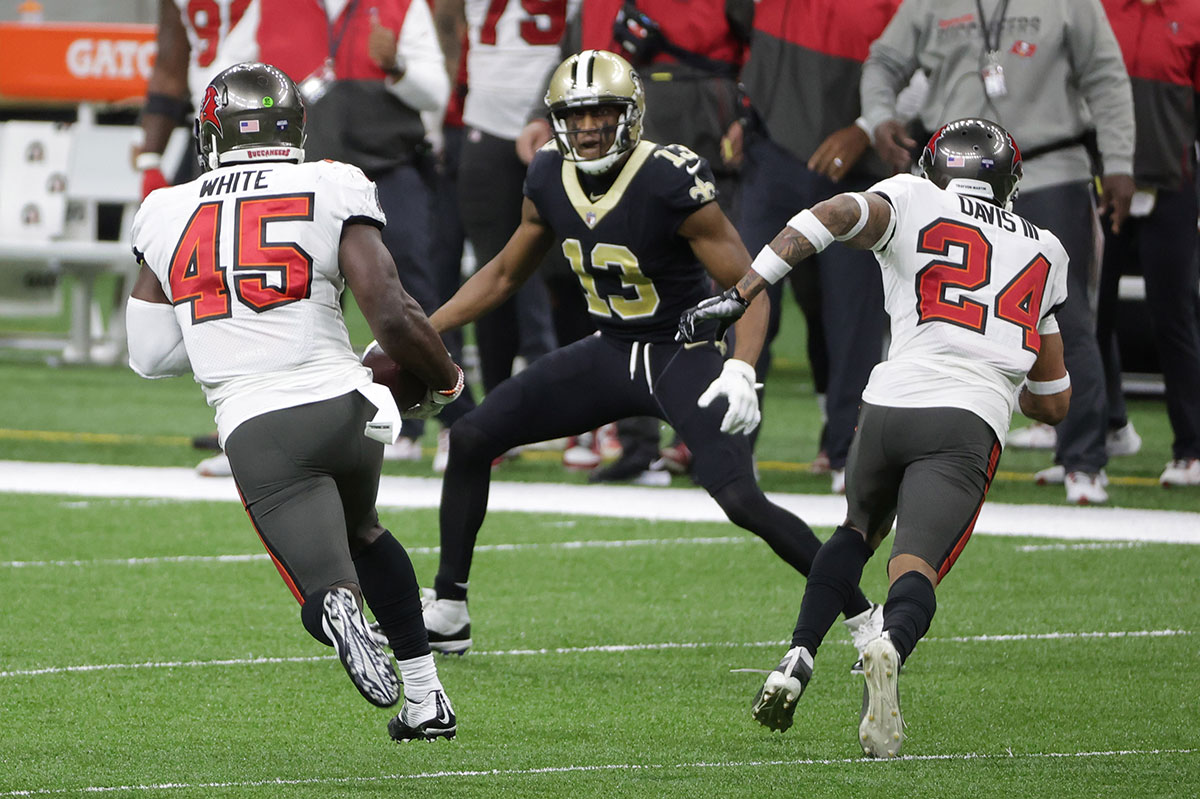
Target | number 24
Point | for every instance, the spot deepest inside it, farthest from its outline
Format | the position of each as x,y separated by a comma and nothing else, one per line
1020,302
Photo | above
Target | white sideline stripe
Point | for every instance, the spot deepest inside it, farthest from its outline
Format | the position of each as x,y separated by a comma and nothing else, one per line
524,772
1078,547
578,650
630,502
619,544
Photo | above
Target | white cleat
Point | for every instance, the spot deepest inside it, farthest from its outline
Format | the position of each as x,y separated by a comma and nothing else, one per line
1086,489
881,730
864,628
369,667
447,623
1124,441
216,466
1036,436
1180,473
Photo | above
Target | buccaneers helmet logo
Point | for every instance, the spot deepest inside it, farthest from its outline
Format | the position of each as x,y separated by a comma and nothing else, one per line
208,109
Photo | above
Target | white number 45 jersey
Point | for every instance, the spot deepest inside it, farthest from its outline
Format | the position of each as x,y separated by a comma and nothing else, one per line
970,289
248,255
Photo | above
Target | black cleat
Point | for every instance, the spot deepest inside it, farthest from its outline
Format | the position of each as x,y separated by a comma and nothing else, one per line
427,720
776,700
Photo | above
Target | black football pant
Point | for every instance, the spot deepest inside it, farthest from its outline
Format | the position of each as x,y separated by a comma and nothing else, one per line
589,383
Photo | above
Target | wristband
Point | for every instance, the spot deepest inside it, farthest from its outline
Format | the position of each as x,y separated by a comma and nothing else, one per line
864,213
807,224
1045,387
166,105
769,265
452,393
145,161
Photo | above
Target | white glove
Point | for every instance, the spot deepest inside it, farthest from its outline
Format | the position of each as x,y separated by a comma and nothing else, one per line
735,383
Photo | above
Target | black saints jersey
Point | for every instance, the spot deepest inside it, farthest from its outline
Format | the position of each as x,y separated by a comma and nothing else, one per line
636,272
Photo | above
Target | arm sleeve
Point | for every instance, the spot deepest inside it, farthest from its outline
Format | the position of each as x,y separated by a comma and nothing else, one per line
1103,82
890,66
425,85
155,341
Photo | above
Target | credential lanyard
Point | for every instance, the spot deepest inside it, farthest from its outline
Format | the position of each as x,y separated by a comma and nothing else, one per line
992,73
994,29
336,35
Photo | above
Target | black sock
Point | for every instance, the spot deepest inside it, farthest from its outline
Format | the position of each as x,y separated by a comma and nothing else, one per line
910,606
389,586
464,504
833,581
311,614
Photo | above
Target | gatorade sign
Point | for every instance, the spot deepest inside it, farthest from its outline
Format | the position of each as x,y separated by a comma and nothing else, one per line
75,62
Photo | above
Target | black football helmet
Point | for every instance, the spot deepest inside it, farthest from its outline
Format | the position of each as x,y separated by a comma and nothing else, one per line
250,112
976,155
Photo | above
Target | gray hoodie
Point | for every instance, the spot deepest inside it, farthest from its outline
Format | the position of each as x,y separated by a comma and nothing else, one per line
1062,66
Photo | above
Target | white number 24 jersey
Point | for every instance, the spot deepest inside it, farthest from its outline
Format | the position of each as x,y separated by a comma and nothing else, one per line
248,255
970,289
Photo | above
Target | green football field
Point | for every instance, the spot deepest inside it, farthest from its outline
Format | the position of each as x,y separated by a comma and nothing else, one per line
148,648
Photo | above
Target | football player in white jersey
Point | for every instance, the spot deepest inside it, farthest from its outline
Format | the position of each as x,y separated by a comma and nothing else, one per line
971,289
241,274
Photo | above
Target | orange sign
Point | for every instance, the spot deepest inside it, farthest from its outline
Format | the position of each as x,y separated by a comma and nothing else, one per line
75,62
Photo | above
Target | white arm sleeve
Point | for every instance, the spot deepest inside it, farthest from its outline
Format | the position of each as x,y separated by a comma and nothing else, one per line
155,340
425,85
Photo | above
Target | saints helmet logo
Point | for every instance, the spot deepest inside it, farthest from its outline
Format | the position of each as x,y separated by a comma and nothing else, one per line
208,110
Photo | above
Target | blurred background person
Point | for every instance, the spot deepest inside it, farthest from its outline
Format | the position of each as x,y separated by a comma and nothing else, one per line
1051,72
1160,41
510,50
803,142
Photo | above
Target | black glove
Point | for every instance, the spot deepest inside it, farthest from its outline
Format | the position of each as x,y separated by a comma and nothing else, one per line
726,308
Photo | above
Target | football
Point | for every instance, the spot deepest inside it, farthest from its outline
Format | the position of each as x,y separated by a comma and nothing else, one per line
407,389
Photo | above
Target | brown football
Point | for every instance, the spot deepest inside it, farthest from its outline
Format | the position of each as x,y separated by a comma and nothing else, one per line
406,387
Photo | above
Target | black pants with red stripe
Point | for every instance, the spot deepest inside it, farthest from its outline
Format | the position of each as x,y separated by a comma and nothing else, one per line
308,478
927,469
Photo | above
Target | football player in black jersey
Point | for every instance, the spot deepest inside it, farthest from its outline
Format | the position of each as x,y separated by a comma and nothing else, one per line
639,226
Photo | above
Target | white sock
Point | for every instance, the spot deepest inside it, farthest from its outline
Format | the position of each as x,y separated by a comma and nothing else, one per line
419,676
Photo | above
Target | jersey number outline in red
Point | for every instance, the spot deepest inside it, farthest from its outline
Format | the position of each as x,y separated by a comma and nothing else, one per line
973,273
1019,302
196,275
554,10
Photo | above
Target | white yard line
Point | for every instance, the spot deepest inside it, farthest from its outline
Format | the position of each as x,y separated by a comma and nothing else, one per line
631,502
587,650
569,545
1079,547
583,769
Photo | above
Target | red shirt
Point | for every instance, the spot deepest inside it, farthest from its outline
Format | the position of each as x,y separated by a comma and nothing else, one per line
699,26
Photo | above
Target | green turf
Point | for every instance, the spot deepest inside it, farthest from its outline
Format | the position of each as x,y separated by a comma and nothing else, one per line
652,722
1041,717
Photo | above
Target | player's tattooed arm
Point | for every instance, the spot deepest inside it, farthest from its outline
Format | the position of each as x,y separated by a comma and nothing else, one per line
840,218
